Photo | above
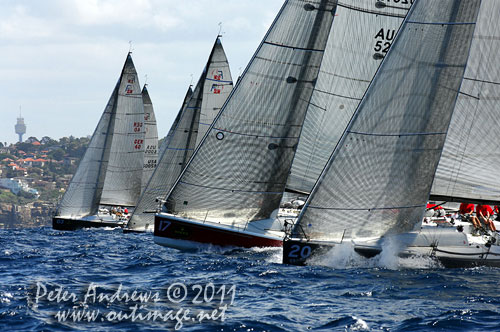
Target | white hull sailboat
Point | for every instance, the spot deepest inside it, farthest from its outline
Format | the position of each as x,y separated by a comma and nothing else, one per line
452,246
392,146
110,175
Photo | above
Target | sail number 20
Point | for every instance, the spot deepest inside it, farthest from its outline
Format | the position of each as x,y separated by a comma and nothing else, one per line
304,252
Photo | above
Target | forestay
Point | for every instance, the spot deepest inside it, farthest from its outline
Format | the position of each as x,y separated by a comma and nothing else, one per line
150,139
379,177
361,35
470,164
239,171
122,184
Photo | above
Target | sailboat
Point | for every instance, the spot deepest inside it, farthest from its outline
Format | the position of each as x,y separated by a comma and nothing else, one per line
229,192
375,186
210,93
110,173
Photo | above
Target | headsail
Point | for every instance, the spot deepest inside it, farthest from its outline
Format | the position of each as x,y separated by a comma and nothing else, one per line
150,139
379,177
361,35
468,169
239,171
182,141
122,184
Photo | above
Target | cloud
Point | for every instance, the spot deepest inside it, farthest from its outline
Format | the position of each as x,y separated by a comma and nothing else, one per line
61,58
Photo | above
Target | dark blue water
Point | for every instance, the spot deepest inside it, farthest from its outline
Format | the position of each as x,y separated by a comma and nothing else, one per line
351,294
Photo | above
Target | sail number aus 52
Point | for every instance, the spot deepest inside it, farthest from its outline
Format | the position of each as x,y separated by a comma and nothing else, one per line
383,40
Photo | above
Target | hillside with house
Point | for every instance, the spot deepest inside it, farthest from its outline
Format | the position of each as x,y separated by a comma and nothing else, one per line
33,176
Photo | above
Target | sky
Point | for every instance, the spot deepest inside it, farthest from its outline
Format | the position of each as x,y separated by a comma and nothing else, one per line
60,59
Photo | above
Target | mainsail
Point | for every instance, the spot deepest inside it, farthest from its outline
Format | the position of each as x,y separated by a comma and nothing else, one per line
239,170
379,176
83,195
468,169
122,184
150,139
184,136
361,35
217,86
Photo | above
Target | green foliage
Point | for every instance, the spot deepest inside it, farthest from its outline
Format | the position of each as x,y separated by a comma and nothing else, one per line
26,147
8,197
53,172
56,154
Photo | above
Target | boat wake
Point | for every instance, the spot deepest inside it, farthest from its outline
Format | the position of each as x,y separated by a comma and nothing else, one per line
344,256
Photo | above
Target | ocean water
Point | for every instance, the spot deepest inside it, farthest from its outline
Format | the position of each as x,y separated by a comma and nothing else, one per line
85,280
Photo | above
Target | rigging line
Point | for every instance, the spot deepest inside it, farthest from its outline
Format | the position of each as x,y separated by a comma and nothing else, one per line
468,95
295,47
398,135
313,104
252,135
367,209
233,190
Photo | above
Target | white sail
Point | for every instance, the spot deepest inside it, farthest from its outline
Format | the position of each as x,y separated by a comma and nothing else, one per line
150,139
84,190
361,35
122,184
379,177
239,170
468,169
216,78
217,86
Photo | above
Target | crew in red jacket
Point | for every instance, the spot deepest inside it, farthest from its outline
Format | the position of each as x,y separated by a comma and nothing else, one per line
484,212
466,211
